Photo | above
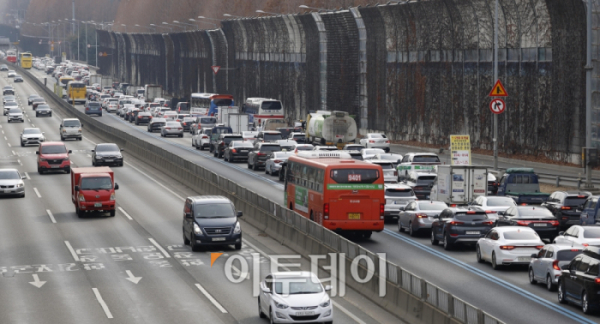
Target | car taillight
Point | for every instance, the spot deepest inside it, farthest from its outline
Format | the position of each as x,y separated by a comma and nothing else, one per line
204,137
395,173
277,161
421,215
139,116
523,204
554,223
585,244
555,265
490,212
456,223
326,211
539,247
471,212
506,247
597,281
523,223
488,223
453,205
388,142
371,141
179,128
565,207
260,154
168,128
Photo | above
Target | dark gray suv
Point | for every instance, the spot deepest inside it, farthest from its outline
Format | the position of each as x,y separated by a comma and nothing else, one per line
209,221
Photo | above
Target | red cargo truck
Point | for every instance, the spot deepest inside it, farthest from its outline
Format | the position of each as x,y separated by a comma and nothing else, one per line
93,190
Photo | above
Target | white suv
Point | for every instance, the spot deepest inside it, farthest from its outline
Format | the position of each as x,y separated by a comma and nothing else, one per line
70,128
397,196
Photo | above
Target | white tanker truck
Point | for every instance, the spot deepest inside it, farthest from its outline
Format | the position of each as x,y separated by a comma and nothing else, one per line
326,127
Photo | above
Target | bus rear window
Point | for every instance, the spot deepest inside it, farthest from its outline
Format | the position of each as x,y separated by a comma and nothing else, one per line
222,102
271,105
354,175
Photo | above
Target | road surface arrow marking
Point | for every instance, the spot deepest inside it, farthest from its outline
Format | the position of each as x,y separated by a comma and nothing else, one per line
131,278
36,281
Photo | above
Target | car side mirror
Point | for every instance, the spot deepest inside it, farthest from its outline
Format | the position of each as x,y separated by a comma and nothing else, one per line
565,267
402,208
188,215
70,152
116,186
37,152
60,125
23,177
436,216
266,290
327,288
561,233
76,188
534,255
239,213
122,150
93,151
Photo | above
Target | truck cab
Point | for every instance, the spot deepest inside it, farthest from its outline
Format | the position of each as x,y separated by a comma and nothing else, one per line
93,190
522,184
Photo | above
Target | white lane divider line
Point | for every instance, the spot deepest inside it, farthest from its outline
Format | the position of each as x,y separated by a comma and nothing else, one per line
9,145
160,248
124,213
73,253
13,152
37,192
20,163
32,125
27,176
5,138
347,312
211,298
102,303
51,216
89,155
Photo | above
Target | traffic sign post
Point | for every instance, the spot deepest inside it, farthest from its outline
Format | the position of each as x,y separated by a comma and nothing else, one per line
497,106
215,68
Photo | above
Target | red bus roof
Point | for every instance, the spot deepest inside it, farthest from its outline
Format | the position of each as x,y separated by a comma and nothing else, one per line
343,163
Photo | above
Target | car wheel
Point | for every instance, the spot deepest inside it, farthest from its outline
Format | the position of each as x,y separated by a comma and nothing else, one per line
249,166
271,316
68,170
112,213
37,115
532,277
23,195
434,241
260,312
561,293
201,147
255,167
22,145
495,265
215,153
479,258
162,135
81,138
280,174
367,234
193,244
50,115
585,304
238,246
93,162
185,240
411,231
266,170
78,212
447,243
400,228
549,285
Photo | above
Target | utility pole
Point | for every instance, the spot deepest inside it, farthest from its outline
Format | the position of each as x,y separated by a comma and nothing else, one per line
73,21
495,116
86,42
588,98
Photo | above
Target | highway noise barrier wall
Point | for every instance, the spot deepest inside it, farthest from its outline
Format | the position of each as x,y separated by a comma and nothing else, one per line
409,297
420,70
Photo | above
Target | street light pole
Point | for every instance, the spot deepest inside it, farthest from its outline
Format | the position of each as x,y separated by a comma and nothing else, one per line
588,97
495,116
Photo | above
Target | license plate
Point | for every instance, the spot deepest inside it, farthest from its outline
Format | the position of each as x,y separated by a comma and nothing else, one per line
7,191
539,224
218,239
98,205
306,313
354,216
472,232
426,197
109,160
524,259
55,166
243,151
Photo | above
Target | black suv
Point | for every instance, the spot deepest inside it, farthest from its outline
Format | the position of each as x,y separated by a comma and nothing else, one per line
211,220
258,158
579,282
454,226
566,206
223,141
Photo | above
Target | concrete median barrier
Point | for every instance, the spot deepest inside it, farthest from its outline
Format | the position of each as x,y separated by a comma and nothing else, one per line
409,297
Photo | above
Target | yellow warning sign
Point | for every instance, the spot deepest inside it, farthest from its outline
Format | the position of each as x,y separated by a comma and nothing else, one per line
498,90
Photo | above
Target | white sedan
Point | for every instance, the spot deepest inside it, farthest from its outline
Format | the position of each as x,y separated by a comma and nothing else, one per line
579,236
290,297
493,205
508,245
376,140
369,154
273,164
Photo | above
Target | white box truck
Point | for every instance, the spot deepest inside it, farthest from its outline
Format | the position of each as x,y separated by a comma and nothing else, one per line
223,112
238,122
106,81
96,78
459,184
152,91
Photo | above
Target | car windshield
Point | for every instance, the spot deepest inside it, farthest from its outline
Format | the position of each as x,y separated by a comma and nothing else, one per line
71,123
238,143
533,211
270,148
207,120
271,105
500,201
107,148
43,107
567,255
425,159
305,148
351,176
399,192
32,131
470,217
432,205
272,137
386,166
521,235
183,106
297,286
425,180
173,124
94,105
9,175
213,210
14,111
375,136
228,140
10,104
53,149
591,233
96,183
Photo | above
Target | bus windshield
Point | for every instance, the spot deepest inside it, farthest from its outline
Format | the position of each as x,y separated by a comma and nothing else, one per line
354,175
222,102
271,105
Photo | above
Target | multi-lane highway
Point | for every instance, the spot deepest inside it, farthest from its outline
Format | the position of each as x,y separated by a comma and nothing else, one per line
505,294
133,268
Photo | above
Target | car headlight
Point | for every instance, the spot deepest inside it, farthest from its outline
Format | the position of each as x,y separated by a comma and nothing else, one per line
197,229
281,305
98,157
64,130
20,185
237,229
42,160
325,303
79,130
112,196
81,197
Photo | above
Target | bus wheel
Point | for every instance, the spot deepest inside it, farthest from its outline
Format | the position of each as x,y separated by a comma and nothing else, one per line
311,217
367,234
291,206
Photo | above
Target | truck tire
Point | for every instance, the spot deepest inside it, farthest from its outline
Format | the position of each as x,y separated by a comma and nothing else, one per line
113,213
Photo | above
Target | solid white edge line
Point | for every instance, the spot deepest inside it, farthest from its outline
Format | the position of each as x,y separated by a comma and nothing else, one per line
124,213
51,216
9,145
37,192
27,176
164,252
102,303
212,300
73,253
158,183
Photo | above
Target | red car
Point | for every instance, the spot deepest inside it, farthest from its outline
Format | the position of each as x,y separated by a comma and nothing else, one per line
53,156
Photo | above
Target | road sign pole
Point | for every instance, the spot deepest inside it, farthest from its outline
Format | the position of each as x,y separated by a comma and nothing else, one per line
495,116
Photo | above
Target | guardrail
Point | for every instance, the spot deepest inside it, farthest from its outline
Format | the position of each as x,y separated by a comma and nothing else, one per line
408,296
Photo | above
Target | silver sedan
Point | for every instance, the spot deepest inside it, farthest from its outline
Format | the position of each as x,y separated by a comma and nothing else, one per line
11,182
273,164
172,128
32,136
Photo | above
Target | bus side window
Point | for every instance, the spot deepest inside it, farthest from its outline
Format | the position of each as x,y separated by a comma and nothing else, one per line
320,180
304,176
312,178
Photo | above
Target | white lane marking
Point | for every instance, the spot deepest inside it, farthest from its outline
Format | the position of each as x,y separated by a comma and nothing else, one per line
9,145
124,213
13,152
212,300
73,254
164,252
37,192
27,176
158,183
5,138
2,132
344,310
51,216
32,125
102,303
89,155
19,162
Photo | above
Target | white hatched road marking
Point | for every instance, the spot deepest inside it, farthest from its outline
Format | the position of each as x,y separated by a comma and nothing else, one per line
102,303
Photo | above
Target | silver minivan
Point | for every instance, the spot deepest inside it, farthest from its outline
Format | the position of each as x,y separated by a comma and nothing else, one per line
70,128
